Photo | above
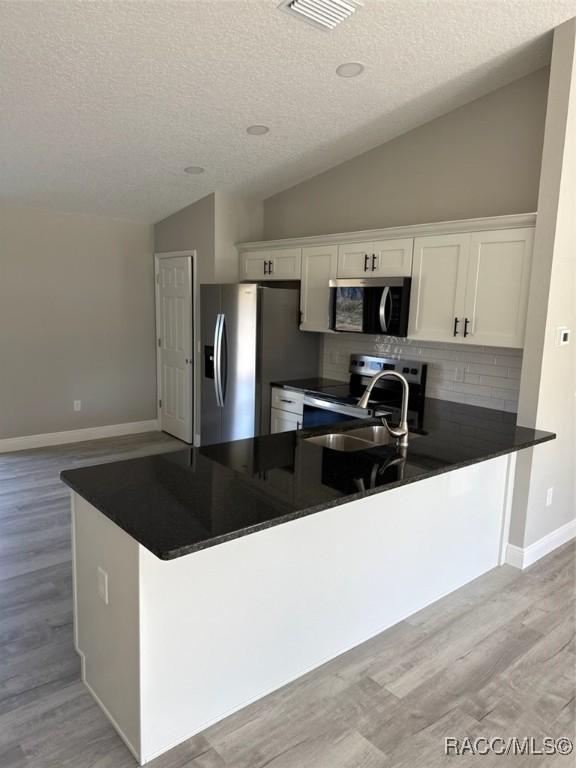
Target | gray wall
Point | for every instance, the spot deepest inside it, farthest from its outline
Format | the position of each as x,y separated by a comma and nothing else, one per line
211,226
76,322
192,228
482,159
548,381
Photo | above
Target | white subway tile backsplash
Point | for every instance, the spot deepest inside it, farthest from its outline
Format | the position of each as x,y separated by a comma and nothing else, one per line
489,370
511,360
491,374
499,381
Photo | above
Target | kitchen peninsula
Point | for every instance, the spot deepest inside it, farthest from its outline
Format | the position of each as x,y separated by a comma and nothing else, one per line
207,577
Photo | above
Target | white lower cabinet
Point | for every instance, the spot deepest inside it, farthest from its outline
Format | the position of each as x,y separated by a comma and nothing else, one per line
284,421
318,268
471,288
287,410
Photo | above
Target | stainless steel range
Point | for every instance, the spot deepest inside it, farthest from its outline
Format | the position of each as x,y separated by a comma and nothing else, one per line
339,402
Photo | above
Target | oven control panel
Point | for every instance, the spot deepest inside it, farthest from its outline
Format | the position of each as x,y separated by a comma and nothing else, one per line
369,365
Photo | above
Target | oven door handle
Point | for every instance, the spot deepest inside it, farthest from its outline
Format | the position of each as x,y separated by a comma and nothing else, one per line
329,405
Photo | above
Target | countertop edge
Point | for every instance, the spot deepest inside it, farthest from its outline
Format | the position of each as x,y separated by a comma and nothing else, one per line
222,539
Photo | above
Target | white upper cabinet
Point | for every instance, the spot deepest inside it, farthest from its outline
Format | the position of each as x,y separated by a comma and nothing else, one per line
497,287
318,268
472,288
273,264
438,287
470,278
382,258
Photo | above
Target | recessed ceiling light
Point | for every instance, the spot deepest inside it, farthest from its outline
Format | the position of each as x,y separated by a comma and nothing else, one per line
257,130
350,69
194,170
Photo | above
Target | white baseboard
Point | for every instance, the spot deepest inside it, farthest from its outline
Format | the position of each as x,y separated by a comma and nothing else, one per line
523,557
76,435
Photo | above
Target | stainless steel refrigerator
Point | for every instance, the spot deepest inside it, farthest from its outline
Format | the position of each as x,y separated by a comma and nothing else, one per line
249,338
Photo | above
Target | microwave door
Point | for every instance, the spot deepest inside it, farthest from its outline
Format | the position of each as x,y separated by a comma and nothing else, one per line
349,309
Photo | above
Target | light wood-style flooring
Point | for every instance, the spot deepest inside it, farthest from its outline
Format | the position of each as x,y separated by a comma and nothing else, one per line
495,658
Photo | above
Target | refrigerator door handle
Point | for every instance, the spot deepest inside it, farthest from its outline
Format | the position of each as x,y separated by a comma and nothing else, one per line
223,364
218,359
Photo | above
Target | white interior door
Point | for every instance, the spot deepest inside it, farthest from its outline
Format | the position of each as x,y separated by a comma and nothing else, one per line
175,339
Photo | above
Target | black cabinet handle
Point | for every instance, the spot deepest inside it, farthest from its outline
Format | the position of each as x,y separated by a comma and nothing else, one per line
466,324
265,267
373,262
456,323
366,259
270,269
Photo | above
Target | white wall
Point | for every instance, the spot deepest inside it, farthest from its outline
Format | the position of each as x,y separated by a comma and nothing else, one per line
211,226
490,375
192,228
482,159
76,321
237,220
548,385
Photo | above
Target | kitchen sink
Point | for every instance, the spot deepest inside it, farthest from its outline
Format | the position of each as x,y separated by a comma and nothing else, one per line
340,441
375,434
357,439
378,435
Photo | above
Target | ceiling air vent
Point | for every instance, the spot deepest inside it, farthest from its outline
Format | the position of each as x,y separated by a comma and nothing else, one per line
326,14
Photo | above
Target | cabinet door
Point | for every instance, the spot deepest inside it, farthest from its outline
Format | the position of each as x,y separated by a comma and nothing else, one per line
254,265
438,287
355,259
286,264
392,258
497,287
318,268
283,421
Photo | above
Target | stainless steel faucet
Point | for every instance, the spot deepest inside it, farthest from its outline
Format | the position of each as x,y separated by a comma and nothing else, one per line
401,431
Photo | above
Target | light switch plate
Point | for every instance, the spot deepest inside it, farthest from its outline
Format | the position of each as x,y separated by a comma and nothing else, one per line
103,585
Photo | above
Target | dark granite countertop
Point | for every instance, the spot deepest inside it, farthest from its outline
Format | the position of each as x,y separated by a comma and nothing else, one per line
186,500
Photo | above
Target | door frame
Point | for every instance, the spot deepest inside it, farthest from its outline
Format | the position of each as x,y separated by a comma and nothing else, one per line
158,257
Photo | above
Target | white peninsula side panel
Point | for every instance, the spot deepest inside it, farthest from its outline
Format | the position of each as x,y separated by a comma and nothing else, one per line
222,627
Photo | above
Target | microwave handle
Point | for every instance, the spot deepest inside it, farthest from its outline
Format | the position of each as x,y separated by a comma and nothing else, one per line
385,309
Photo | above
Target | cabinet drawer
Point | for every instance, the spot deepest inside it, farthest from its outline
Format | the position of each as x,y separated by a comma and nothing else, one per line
287,400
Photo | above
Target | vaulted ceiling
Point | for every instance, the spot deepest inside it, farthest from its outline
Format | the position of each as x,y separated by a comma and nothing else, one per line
103,104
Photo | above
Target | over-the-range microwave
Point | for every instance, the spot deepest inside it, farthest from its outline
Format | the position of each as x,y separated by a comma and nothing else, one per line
371,305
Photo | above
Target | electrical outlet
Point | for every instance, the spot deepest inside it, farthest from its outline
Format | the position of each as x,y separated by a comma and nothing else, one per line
77,405
562,336
459,374
549,495
102,580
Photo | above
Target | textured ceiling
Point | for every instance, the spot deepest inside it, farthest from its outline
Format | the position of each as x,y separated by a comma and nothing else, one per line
104,103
